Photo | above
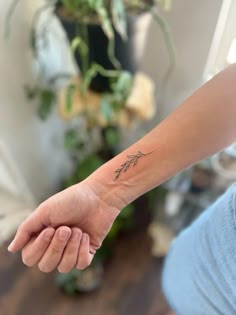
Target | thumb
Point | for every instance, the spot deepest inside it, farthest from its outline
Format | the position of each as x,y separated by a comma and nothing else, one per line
25,231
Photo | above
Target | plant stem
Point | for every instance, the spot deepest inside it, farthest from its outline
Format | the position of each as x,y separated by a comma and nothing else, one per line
169,45
84,54
8,19
111,54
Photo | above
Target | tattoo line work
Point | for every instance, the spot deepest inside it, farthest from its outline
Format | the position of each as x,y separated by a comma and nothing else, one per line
133,160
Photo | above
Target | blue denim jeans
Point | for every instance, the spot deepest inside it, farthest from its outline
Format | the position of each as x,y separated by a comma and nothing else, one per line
199,276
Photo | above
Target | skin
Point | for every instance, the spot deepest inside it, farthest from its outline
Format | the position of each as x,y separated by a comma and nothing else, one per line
203,125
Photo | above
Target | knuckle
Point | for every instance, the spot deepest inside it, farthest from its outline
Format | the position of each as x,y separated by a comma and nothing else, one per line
56,248
75,241
71,251
42,244
43,206
77,231
43,209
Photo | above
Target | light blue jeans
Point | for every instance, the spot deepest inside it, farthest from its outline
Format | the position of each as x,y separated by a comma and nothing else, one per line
199,276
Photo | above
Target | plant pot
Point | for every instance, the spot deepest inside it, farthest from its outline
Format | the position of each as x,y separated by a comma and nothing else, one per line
98,48
84,281
90,279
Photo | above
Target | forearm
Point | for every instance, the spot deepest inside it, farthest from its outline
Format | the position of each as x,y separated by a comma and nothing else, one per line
203,125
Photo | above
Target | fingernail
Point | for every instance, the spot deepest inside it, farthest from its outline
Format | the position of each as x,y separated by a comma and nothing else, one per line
64,234
48,234
85,237
76,235
10,247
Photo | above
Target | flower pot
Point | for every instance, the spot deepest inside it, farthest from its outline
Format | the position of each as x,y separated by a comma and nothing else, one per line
98,48
84,281
90,279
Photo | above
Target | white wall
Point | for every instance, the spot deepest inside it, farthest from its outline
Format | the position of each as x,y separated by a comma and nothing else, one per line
192,24
36,146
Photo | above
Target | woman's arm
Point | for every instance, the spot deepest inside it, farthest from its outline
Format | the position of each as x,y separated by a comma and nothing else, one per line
203,125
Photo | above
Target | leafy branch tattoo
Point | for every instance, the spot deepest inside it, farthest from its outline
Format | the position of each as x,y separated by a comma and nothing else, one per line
133,160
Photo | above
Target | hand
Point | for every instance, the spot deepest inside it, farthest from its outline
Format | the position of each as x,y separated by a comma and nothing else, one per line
57,249
79,207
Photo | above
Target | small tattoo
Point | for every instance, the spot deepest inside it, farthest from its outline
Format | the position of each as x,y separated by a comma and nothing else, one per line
133,160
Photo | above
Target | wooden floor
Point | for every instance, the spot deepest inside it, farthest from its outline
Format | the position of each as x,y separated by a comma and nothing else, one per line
131,286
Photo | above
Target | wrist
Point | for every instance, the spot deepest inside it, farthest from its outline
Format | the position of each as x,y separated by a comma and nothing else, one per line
109,192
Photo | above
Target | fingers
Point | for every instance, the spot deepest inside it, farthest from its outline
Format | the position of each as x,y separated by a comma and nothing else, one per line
64,249
53,254
70,255
36,247
85,258
33,224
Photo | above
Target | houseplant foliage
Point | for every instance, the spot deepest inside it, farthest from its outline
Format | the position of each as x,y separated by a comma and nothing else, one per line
102,114
111,15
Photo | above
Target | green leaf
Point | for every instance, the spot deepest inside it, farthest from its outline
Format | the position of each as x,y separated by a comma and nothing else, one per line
166,5
112,55
70,182
124,83
88,166
121,89
119,17
68,5
106,108
62,279
71,139
31,92
114,230
92,3
46,99
124,221
79,43
104,252
69,97
94,69
76,42
89,76
112,137
104,18
127,212
70,288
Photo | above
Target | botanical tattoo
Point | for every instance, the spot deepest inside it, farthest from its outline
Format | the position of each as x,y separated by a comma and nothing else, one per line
133,160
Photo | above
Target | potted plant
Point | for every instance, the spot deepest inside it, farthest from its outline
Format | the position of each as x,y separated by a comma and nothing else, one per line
105,95
100,32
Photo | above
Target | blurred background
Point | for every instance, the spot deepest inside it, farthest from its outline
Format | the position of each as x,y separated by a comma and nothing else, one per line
80,81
